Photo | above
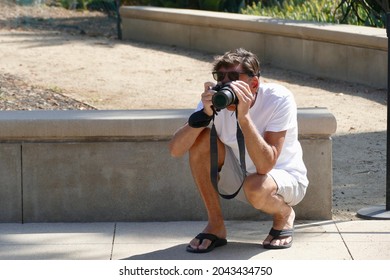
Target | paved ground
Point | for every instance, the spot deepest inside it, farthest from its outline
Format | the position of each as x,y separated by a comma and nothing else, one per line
322,240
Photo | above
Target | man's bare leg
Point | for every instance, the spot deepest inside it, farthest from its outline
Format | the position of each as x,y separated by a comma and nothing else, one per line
199,157
260,191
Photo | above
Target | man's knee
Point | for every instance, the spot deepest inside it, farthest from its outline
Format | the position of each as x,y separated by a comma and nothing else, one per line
200,150
258,188
201,146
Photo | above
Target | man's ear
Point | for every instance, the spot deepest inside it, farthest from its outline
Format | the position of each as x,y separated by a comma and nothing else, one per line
255,83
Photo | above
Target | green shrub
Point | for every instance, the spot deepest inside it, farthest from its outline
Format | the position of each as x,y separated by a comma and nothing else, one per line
74,4
357,12
330,11
211,5
96,5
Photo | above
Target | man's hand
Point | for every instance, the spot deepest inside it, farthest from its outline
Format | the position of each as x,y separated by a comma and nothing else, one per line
245,98
207,96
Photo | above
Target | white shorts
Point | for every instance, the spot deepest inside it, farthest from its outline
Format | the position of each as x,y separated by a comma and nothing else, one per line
231,179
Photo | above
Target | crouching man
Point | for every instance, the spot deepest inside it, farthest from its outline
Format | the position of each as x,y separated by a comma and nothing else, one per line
267,164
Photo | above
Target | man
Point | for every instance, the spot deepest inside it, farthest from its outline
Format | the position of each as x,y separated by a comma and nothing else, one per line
275,173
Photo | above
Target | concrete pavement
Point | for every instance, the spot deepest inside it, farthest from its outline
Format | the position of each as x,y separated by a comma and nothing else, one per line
313,240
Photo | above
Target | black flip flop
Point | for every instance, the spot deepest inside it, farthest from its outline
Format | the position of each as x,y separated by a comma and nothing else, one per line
215,242
279,234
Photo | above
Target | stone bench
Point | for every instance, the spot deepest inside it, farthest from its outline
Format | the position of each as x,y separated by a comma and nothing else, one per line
97,166
343,52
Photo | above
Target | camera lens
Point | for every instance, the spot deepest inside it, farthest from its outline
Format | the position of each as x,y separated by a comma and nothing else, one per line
223,98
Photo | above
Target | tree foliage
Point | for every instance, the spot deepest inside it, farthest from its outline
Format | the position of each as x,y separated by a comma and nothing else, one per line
364,12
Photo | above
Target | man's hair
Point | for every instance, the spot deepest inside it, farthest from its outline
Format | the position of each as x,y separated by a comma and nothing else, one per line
249,62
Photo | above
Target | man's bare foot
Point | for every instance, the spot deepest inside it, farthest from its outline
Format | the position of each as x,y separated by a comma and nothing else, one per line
281,235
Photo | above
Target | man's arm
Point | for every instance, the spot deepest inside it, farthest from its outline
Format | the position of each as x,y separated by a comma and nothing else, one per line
185,136
183,139
264,151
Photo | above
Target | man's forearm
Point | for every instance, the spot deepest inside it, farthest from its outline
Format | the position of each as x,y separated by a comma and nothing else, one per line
263,155
183,139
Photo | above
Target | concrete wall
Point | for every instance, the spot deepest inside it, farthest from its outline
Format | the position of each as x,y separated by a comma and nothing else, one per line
93,166
343,52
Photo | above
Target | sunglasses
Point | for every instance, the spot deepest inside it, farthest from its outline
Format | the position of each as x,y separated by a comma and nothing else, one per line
233,75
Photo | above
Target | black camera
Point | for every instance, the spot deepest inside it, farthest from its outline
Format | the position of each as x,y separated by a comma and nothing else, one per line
223,97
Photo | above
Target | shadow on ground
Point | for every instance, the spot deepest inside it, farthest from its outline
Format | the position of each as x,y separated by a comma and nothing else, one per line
359,171
235,250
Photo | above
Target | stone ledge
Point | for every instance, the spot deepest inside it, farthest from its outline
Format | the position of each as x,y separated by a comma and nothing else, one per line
349,53
374,38
99,166
315,122
63,125
125,124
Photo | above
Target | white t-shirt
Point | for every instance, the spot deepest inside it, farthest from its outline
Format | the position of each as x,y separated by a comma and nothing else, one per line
274,110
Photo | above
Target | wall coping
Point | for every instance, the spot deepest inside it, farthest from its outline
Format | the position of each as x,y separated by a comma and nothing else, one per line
359,36
125,124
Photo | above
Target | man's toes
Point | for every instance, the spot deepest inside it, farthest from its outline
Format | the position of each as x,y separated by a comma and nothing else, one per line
205,244
267,240
281,242
194,243
276,242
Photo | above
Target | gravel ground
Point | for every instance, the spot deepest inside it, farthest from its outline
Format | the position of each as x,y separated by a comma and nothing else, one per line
16,94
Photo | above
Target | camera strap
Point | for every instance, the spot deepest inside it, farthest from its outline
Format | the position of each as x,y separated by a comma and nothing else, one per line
214,159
